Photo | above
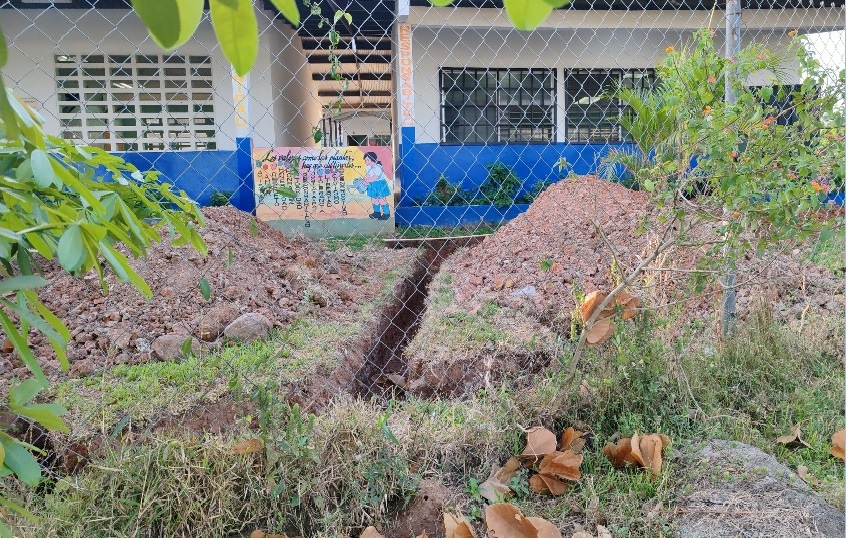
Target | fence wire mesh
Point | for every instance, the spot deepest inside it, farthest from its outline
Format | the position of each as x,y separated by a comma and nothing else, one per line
452,210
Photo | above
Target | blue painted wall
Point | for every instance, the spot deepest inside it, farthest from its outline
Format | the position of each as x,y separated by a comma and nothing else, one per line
422,164
200,173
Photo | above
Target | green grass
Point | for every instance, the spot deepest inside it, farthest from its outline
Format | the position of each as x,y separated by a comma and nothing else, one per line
354,242
346,468
442,232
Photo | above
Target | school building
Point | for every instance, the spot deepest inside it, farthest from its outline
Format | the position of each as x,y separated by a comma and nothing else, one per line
450,89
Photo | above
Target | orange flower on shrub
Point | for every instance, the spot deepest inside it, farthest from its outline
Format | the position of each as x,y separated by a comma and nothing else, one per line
792,33
707,110
711,80
816,186
669,49
768,121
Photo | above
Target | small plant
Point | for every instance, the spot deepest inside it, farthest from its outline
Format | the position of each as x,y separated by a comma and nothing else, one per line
546,264
445,193
501,187
221,198
530,195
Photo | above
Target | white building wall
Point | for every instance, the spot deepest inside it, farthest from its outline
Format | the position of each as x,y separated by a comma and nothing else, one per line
35,36
366,124
464,37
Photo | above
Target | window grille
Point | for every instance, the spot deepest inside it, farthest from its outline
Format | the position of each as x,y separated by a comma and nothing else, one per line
497,105
592,116
136,102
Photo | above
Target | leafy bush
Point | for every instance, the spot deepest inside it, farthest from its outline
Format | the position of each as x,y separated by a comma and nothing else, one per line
446,193
501,186
74,204
221,198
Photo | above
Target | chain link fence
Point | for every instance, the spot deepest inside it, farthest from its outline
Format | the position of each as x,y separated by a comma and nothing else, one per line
405,211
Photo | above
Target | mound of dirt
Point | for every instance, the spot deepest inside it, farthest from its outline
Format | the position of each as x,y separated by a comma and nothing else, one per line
536,266
755,497
250,270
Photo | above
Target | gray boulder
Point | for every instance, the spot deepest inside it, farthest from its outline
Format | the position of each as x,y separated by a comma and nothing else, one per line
248,327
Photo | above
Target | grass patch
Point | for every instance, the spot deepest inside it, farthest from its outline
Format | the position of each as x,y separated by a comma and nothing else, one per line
444,232
354,242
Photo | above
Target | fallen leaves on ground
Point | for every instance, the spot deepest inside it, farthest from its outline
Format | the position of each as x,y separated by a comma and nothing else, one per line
496,487
573,440
507,521
260,534
794,439
804,474
539,442
603,328
248,447
371,532
643,451
837,444
457,526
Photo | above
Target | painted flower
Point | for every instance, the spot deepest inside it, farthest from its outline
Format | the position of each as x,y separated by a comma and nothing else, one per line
711,80
669,49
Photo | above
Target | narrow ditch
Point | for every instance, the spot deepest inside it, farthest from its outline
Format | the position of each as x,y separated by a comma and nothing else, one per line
384,367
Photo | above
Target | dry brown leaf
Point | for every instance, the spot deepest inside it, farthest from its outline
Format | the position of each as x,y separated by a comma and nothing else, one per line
572,439
582,534
507,521
629,303
371,532
546,484
600,332
794,439
591,303
618,453
260,534
248,447
546,529
562,465
496,487
802,472
539,442
8,346
457,526
642,451
635,451
837,444
603,532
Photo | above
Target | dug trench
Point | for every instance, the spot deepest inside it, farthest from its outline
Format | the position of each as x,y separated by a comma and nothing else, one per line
373,366
384,368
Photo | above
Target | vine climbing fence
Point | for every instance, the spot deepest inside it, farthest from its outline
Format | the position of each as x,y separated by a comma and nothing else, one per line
407,205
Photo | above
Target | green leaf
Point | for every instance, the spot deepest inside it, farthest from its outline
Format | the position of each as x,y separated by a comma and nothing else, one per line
230,257
17,508
204,285
286,192
170,22
527,14
186,347
71,252
22,347
123,270
252,226
235,25
4,56
288,9
25,392
317,135
21,283
42,168
441,3
20,461
46,414
826,234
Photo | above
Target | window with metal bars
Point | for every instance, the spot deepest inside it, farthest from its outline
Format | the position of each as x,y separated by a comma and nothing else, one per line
487,105
592,116
136,102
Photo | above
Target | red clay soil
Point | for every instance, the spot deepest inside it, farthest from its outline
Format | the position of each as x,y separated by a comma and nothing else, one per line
533,266
269,275
555,247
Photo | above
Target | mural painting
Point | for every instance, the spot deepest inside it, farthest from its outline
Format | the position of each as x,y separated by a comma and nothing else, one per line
337,191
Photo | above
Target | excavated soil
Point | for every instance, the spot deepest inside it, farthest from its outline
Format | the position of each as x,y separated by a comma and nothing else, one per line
533,267
249,270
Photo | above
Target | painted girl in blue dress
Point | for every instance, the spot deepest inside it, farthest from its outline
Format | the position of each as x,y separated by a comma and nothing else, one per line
377,187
